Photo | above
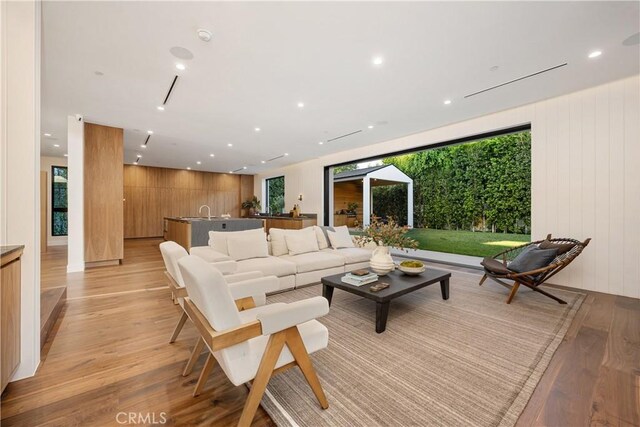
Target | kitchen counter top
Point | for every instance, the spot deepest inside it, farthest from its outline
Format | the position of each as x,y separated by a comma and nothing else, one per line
300,218
190,219
6,250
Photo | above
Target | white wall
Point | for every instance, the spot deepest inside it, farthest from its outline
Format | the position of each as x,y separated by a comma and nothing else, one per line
45,166
585,177
20,133
75,193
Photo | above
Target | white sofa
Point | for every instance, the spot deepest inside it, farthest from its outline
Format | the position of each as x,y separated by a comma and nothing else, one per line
295,257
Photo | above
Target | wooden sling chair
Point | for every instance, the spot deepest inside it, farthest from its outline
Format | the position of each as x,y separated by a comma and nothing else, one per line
247,288
497,269
280,337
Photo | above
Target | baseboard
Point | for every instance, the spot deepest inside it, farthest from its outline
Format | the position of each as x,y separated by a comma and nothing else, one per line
102,263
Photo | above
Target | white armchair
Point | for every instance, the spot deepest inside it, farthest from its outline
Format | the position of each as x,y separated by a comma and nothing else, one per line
248,349
248,295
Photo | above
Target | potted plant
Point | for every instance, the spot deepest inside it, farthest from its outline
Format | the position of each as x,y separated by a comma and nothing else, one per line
386,236
253,205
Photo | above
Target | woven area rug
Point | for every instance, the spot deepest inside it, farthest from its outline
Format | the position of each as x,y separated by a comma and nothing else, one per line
470,361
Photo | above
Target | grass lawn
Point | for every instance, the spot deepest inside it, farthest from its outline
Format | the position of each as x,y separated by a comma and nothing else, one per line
466,242
479,244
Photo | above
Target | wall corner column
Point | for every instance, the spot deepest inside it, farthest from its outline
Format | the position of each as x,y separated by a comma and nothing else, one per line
75,188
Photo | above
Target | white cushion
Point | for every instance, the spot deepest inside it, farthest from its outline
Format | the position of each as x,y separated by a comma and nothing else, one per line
208,254
315,261
251,245
269,266
352,255
249,315
323,243
218,239
171,253
302,242
293,314
340,238
315,336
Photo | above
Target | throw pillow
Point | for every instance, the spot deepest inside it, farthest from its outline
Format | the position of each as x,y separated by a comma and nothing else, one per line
321,237
218,239
248,246
278,243
302,242
339,240
532,258
345,238
561,247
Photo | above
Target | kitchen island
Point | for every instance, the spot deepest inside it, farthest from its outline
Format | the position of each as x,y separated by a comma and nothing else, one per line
194,231
288,222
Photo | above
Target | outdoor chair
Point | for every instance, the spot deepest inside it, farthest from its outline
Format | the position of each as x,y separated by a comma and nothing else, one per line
281,336
497,267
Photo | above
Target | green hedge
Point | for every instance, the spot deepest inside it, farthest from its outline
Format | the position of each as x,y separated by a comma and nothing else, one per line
483,185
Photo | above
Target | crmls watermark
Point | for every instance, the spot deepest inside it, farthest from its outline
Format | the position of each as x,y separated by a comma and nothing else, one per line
144,418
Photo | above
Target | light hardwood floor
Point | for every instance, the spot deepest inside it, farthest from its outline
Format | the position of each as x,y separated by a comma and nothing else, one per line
110,354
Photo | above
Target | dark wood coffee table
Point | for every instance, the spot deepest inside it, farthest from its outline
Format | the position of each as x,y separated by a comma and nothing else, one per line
399,284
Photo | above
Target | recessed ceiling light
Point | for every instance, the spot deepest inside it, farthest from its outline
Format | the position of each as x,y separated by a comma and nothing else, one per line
300,104
229,145
370,126
181,66
66,155
244,167
199,162
230,171
447,101
320,143
56,145
212,155
139,156
143,146
150,132
257,129
595,54
377,60
263,161
286,154
47,134
160,108
204,35
188,168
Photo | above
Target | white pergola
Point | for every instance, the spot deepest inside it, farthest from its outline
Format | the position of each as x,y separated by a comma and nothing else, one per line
378,176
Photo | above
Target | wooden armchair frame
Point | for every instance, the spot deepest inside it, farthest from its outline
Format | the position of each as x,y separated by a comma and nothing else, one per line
533,279
219,340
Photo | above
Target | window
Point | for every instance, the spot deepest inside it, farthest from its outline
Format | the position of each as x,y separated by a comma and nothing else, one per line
59,201
470,196
275,194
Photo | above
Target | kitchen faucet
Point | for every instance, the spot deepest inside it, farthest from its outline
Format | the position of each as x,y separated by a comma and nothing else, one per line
208,210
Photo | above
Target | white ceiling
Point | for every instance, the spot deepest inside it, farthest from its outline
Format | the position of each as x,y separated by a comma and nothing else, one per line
264,58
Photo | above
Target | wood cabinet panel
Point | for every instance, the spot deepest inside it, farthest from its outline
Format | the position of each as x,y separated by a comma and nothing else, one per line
9,319
103,193
154,193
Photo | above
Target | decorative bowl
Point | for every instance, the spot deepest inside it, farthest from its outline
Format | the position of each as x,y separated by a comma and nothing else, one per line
411,267
381,269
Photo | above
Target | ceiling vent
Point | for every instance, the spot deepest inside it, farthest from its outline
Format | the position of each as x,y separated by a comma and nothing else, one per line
516,80
173,83
344,136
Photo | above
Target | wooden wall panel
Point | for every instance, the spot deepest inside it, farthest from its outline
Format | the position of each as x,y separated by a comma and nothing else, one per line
103,193
154,193
345,193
